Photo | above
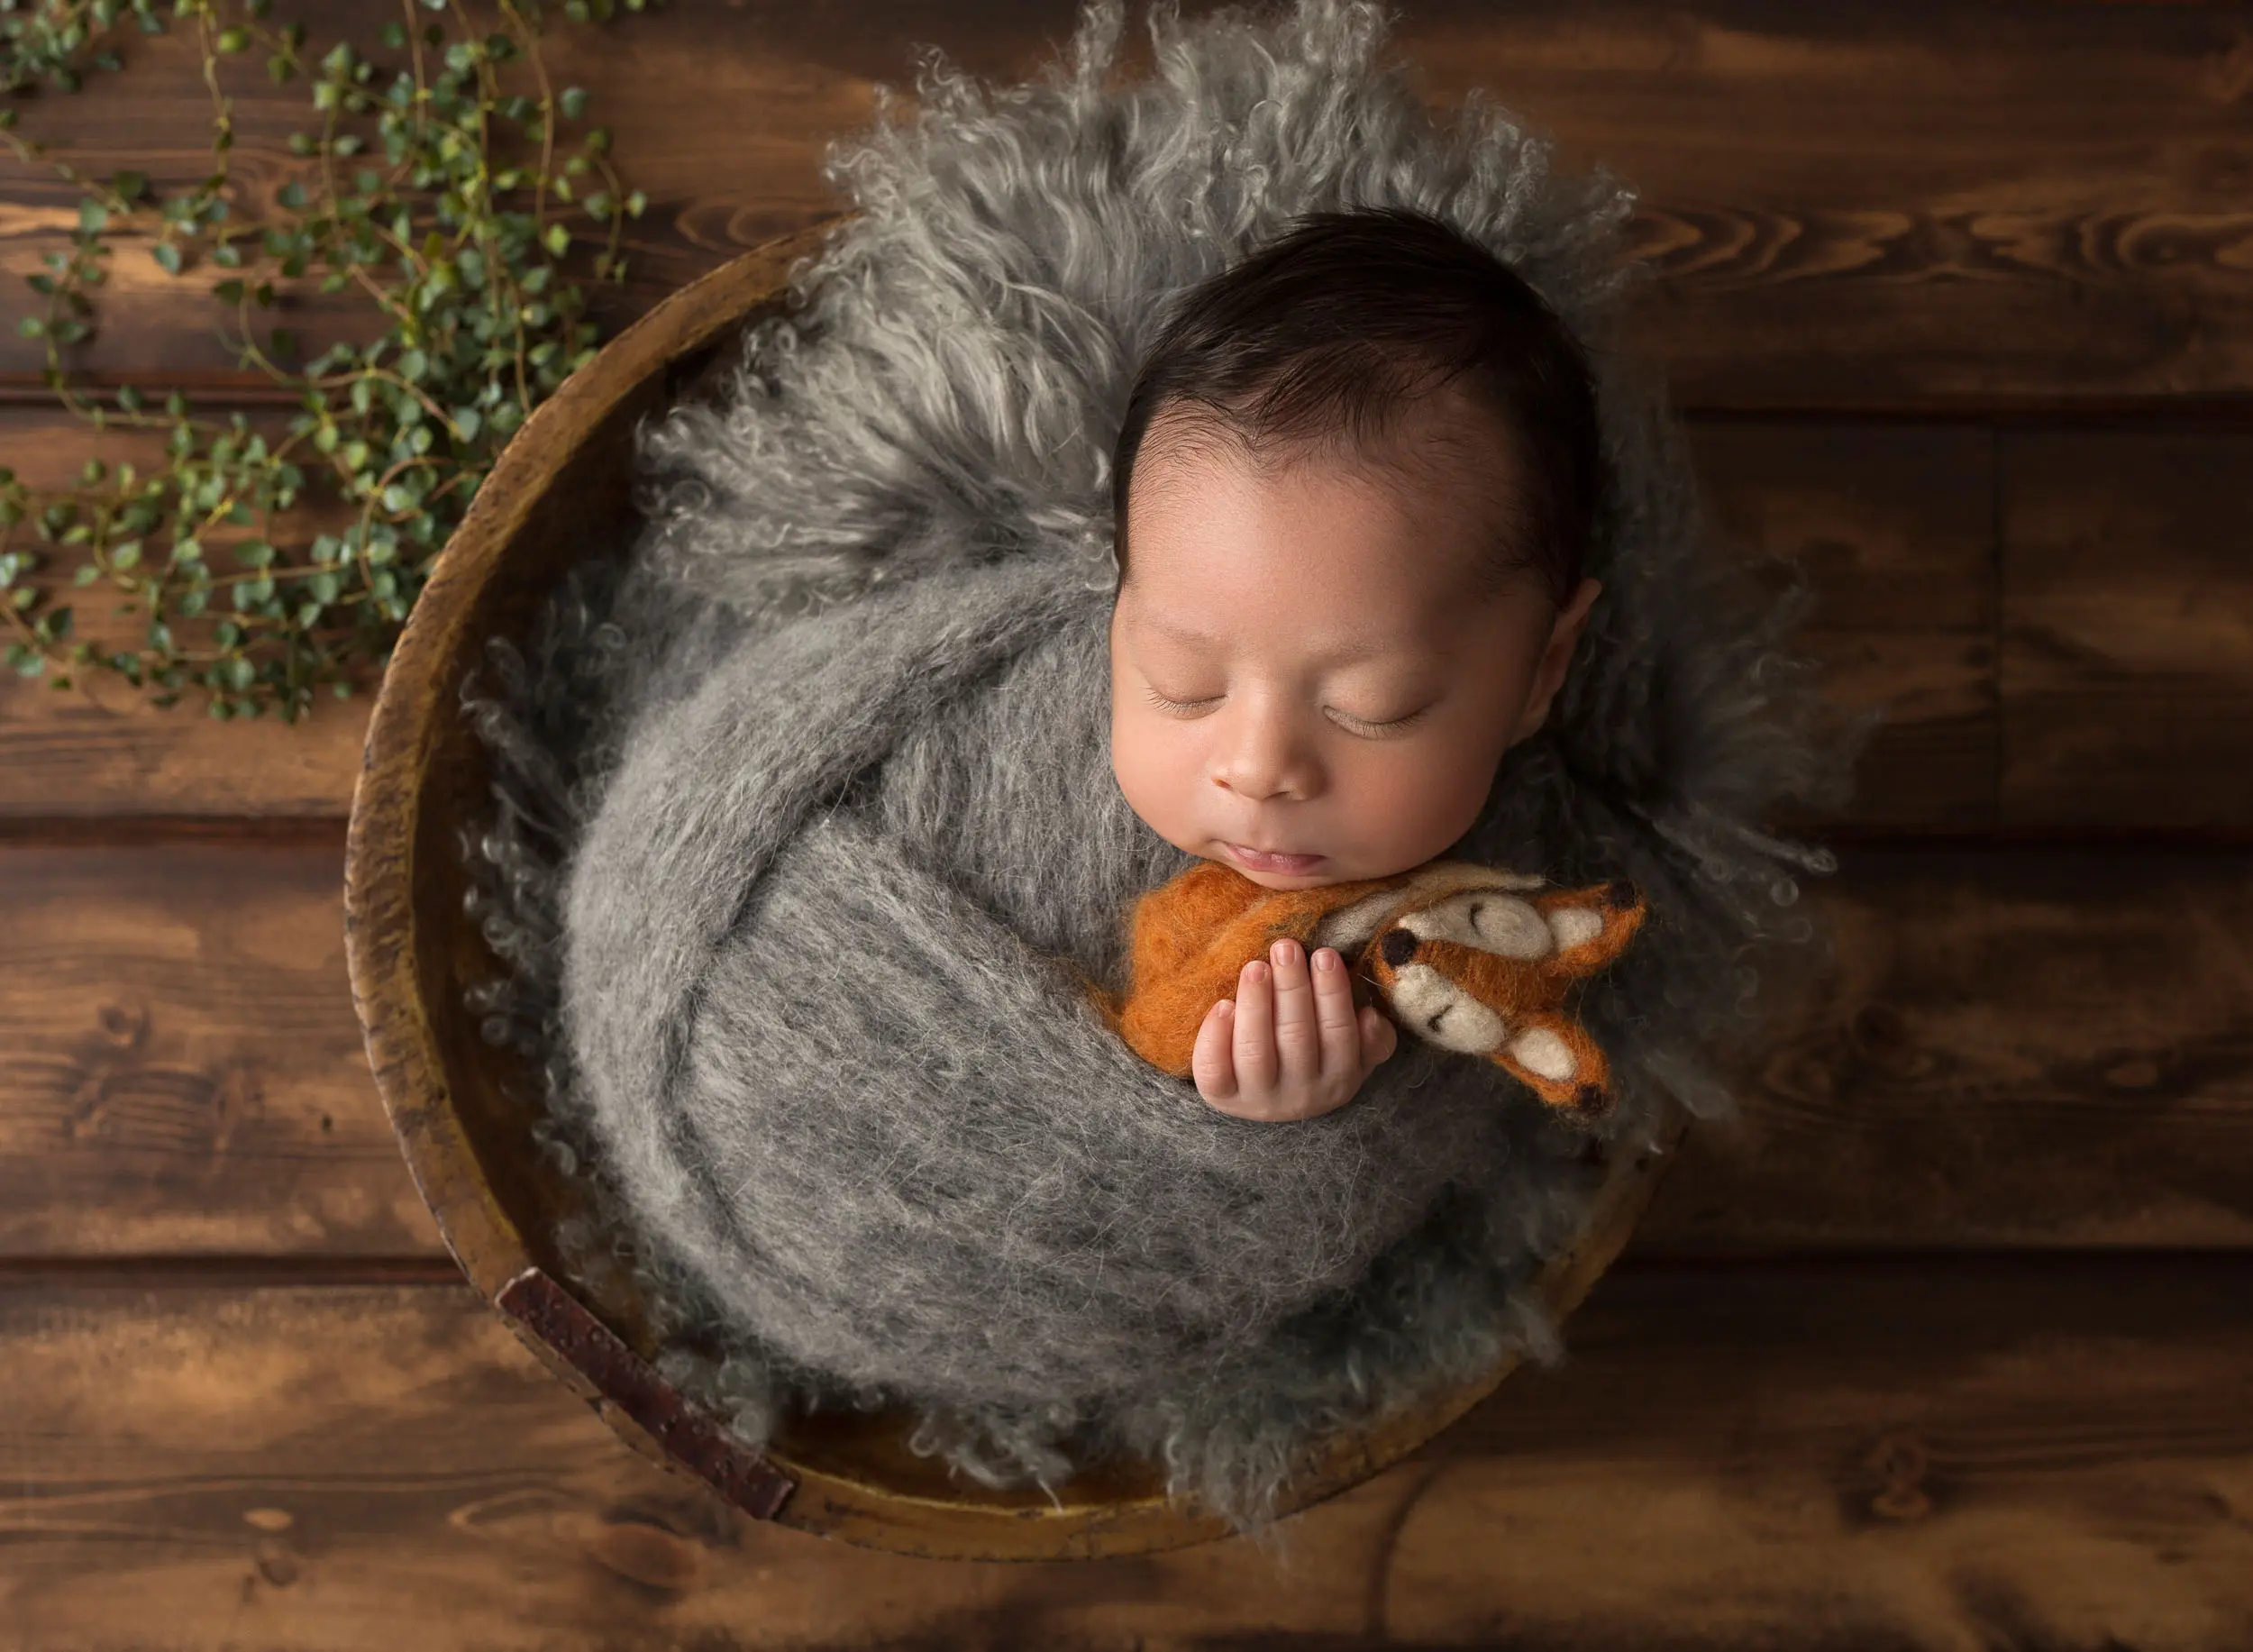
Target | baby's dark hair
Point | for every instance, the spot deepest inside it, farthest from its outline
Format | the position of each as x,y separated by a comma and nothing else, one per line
1339,325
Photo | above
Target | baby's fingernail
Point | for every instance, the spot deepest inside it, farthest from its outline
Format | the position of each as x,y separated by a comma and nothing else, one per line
1326,960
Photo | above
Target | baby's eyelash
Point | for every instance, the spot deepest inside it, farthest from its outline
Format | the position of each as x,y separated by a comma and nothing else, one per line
1163,704
1396,723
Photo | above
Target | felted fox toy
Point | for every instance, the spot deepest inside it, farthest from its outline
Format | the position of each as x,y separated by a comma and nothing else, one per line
1467,957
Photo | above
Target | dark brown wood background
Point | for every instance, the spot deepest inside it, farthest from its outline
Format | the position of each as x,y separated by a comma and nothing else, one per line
1949,1344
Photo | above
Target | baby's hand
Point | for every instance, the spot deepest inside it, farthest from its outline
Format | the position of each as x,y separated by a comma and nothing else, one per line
1289,1048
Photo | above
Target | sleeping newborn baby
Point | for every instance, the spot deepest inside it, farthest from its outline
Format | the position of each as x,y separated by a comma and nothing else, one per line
1353,493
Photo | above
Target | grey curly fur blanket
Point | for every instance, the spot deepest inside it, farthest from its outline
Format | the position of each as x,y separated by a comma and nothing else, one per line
804,823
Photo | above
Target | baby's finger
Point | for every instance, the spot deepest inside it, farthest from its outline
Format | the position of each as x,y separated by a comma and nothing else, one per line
1254,1041
1297,1036
1333,1013
1209,1063
1378,1037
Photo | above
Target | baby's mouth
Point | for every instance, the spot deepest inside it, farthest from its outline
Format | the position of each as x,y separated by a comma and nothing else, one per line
1257,860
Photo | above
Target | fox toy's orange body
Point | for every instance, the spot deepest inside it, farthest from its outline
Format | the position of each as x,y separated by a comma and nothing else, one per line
1464,957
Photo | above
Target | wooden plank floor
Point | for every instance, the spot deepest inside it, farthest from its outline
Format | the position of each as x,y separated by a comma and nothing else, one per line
1944,1344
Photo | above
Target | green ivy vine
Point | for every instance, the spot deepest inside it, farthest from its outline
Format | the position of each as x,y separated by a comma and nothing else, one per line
461,246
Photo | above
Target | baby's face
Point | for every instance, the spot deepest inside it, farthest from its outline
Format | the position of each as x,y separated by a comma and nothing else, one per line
1296,665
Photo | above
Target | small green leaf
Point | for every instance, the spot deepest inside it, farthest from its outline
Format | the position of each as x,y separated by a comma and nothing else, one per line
573,102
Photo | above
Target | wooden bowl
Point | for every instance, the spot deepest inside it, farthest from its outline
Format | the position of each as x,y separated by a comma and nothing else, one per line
460,1107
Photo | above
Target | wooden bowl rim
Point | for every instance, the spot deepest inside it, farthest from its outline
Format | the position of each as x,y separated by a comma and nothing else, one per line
833,1494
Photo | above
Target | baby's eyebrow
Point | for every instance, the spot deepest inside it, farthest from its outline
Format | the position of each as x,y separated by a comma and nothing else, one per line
1363,649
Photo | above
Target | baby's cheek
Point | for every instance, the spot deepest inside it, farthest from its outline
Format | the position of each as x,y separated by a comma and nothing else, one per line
1432,800
1151,776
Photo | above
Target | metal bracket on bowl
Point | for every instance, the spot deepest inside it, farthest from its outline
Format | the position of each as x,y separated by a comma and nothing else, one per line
690,1436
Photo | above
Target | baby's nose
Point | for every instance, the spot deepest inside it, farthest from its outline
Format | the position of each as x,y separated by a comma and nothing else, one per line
1258,776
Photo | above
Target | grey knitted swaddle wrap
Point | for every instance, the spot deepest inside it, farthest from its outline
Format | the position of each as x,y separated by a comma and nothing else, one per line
850,835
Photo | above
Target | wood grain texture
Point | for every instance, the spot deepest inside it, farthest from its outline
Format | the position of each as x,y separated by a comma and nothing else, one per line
1894,527
1880,1455
2128,628
1995,205
1840,206
180,1071
2015,1047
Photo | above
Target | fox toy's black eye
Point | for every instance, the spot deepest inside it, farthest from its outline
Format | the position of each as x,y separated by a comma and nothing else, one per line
1397,948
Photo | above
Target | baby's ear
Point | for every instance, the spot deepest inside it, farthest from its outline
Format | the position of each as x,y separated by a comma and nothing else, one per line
1572,619
1564,634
